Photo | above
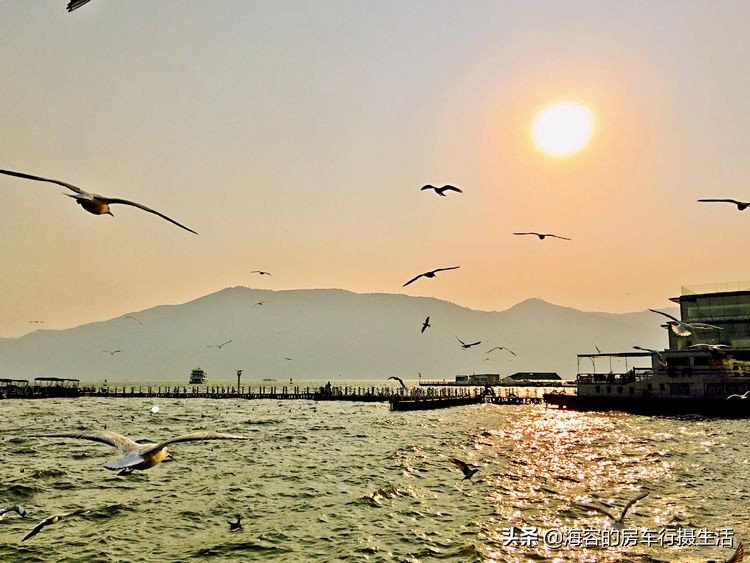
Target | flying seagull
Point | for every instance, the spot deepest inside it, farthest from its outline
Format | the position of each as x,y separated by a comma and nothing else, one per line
685,329
140,456
658,354
425,324
258,303
542,236
501,348
75,4
219,346
738,556
94,203
17,509
51,520
617,522
745,395
430,274
741,205
465,468
261,272
441,190
112,352
131,317
466,346
235,526
36,322
713,348
401,381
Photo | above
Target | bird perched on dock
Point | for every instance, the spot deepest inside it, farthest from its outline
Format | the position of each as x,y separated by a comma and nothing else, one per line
140,456
401,381
235,526
18,509
75,4
617,523
442,189
466,346
430,274
94,203
681,328
741,205
219,346
542,236
261,272
425,325
501,348
465,468
51,520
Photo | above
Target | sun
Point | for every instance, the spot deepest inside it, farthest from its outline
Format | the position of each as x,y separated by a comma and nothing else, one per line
562,129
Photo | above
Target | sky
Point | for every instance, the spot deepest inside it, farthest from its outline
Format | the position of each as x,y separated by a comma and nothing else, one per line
295,136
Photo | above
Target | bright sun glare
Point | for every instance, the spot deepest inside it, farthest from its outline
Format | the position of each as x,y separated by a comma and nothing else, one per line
562,129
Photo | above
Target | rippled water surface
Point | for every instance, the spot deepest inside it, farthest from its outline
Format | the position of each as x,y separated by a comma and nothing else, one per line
353,481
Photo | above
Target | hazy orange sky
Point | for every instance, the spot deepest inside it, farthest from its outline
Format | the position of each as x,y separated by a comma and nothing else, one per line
294,137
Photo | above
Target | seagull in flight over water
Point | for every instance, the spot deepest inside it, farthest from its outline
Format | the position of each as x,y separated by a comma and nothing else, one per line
234,526
133,318
94,203
17,509
659,355
466,346
430,274
741,205
425,324
617,522
219,346
738,556
441,190
542,236
140,456
685,329
51,520
465,468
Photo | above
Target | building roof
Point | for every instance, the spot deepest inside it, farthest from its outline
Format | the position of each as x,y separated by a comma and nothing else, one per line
521,375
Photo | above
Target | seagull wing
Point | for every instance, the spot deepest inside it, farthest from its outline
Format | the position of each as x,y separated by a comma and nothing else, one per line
475,343
415,278
630,503
119,441
558,236
727,200
76,189
596,509
462,465
461,341
75,4
139,206
537,234
739,555
427,187
225,343
452,188
664,314
511,351
493,349
444,269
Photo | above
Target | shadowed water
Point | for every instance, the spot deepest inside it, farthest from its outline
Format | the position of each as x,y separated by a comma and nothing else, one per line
354,481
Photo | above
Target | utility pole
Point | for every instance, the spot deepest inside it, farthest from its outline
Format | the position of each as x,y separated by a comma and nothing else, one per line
239,375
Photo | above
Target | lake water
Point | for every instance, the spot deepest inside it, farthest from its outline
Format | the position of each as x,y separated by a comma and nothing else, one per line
334,481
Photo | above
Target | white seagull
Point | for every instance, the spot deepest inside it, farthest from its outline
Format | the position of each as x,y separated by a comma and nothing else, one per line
94,203
617,523
140,456
17,508
51,520
685,329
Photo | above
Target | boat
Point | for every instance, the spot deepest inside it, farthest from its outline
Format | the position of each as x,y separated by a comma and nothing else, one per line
198,376
703,371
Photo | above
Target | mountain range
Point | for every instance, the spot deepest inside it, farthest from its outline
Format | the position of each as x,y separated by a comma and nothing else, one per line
325,334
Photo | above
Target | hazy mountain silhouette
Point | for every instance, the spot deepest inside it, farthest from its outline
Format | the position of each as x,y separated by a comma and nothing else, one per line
327,332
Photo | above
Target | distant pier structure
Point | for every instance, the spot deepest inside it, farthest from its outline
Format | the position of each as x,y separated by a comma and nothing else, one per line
414,398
